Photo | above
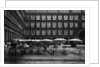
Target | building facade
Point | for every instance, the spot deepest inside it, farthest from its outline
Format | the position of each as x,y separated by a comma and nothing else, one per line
13,25
41,24
54,23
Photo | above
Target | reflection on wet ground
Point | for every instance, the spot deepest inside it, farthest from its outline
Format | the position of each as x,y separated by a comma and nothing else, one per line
27,59
70,56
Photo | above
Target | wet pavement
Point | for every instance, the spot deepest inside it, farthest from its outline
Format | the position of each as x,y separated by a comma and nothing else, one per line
72,57
29,59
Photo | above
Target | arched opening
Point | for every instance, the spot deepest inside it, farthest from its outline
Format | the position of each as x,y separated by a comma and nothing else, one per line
81,35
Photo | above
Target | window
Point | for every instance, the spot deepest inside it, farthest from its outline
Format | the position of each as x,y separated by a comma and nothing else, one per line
54,24
75,17
37,17
24,32
65,17
43,24
32,17
83,17
71,32
54,17
37,32
27,24
65,24
43,17
83,25
76,24
48,17
59,24
71,17
7,35
43,32
59,32
59,17
32,24
71,25
38,24
32,32
65,32
48,24
54,32
20,26
48,32
27,32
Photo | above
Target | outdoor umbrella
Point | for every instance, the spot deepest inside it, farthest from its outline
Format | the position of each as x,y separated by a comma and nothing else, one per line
74,41
36,40
59,40
46,41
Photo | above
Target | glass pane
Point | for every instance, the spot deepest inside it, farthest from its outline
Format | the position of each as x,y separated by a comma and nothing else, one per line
54,24
32,24
37,17
32,32
32,17
54,32
48,17
71,25
48,32
71,17
43,24
59,32
43,32
83,17
76,24
76,17
59,17
38,24
83,25
37,32
71,32
65,32
65,24
65,17
59,24
43,17
48,24
27,32
27,24
54,17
